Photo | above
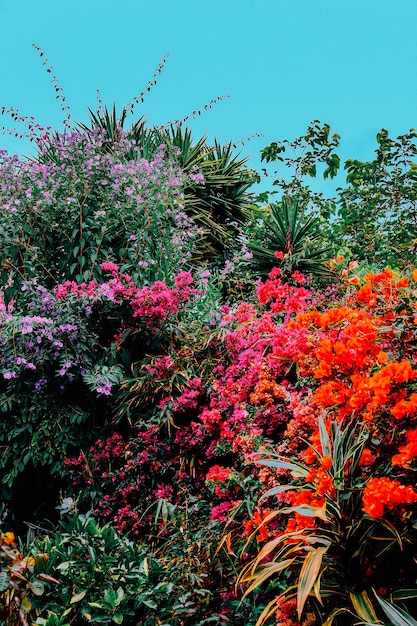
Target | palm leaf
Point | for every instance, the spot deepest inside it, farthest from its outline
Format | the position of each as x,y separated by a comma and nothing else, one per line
288,230
266,572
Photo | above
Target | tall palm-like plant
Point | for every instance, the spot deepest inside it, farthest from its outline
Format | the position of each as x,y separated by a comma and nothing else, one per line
223,201
295,236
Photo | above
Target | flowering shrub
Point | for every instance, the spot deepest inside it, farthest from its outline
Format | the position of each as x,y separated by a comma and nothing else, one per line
80,206
195,389
67,359
129,388
345,478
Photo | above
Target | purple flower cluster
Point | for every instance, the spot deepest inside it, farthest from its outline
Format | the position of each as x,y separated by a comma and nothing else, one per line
42,338
80,196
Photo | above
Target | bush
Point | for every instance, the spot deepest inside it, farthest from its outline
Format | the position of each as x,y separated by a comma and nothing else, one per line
63,217
345,483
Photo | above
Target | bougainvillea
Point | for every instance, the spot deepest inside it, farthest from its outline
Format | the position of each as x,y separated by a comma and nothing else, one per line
179,392
347,453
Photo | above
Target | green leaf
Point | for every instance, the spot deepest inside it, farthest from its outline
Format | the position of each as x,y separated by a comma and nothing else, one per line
36,587
150,603
324,438
276,490
308,511
308,576
404,594
296,469
363,606
333,614
4,581
78,596
265,572
267,612
397,616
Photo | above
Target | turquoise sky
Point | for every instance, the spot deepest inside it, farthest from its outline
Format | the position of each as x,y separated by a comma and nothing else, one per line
282,62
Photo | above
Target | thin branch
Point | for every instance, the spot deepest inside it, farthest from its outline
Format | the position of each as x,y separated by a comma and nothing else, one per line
129,108
54,80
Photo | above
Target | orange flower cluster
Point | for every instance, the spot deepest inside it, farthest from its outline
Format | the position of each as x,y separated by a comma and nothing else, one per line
321,479
301,498
267,391
367,458
356,354
343,341
408,452
257,521
382,493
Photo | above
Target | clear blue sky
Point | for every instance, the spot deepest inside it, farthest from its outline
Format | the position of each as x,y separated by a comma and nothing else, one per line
282,62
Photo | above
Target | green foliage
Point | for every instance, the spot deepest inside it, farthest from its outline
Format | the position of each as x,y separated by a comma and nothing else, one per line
329,557
22,582
376,213
296,238
216,195
101,576
304,153
46,410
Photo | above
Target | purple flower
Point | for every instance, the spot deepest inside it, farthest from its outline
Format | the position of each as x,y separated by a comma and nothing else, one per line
105,389
9,375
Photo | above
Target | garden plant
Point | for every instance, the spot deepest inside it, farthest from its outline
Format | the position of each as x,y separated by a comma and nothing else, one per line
208,397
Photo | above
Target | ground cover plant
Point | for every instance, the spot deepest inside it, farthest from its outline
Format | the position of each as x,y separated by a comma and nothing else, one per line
208,409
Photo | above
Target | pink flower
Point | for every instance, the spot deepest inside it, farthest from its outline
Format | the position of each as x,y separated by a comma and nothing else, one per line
108,266
183,279
219,513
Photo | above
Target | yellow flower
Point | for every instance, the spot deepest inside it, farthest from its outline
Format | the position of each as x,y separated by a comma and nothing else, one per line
8,539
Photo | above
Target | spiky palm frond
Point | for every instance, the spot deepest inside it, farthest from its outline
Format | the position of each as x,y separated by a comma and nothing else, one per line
112,123
297,236
223,201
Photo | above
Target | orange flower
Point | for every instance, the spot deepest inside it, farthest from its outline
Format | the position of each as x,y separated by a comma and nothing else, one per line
408,452
402,408
382,493
8,539
326,461
367,458
382,357
257,522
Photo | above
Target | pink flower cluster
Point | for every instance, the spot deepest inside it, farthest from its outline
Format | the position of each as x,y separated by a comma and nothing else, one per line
154,303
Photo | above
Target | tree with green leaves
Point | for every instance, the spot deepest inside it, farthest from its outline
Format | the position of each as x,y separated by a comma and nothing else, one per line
376,215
